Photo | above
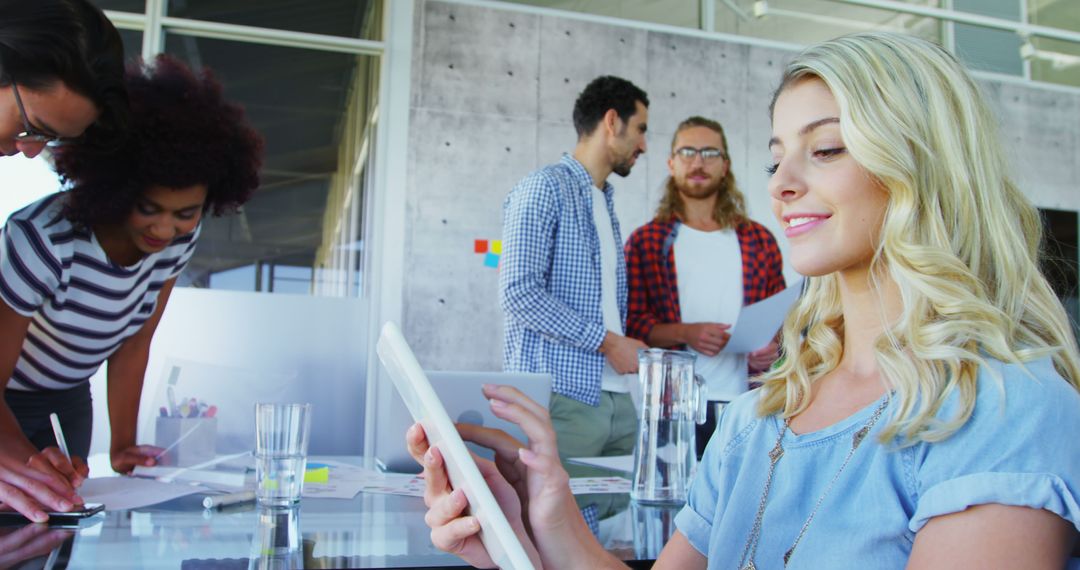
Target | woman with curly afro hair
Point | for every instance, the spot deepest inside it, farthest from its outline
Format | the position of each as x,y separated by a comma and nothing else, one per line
85,273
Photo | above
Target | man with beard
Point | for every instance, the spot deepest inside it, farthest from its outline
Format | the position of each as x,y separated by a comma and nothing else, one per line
562,282
724,260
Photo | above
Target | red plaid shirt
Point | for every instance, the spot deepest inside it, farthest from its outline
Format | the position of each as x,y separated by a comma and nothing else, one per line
653,296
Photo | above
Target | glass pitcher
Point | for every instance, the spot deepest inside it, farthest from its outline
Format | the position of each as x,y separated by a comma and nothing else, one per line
672,403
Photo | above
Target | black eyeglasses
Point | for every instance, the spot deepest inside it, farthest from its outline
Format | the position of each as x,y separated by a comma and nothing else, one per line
708,154
31,133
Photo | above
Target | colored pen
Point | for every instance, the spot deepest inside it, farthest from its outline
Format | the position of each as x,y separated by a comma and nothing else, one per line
58,433
218,501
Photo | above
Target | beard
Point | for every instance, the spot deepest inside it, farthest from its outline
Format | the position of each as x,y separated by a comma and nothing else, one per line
622,168
698,192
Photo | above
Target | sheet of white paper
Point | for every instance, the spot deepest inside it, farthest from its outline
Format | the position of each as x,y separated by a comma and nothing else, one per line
408,485
759,322
413,485
345,481
232,480
620,463
121,493
597,485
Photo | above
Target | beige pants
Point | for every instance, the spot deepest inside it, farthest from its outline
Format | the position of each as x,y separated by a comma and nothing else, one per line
586,431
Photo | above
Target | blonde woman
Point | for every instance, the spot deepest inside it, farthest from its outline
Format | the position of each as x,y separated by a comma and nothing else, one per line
928,410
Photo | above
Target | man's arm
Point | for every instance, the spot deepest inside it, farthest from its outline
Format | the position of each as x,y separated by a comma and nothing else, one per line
707,338
640,314
127,368
528,249
775,263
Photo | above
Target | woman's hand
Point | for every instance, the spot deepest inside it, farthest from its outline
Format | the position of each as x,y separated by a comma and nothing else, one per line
124,460
32,492
451,529
53,461
525,479
761,359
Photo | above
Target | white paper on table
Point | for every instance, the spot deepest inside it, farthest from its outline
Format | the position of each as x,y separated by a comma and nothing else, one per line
344,482
597,485
758,323
620,463
408,485
122,493
229,480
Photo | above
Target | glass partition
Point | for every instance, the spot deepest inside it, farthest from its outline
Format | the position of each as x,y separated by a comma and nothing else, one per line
989,49
1053,60
804,22
301,229
121,5
682,13
345,18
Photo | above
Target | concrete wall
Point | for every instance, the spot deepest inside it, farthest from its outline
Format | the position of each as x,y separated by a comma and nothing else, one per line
492,94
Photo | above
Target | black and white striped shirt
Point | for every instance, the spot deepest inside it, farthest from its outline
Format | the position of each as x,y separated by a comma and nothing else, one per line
82,305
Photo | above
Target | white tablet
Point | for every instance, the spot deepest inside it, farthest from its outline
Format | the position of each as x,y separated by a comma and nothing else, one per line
499,539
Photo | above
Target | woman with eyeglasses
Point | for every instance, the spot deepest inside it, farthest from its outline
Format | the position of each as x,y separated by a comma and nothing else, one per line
927,409
86,273
61,70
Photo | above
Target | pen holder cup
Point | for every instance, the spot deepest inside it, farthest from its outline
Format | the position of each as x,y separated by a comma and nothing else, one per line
186,441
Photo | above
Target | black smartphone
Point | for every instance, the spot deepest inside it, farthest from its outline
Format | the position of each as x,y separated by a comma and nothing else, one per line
71,518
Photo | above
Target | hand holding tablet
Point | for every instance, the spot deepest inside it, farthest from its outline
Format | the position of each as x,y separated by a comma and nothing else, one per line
495,531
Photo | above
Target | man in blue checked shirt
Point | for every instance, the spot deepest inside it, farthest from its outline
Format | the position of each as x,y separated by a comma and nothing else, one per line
562,278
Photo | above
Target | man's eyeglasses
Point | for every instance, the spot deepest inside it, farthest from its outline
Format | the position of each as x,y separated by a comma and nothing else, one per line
708,154
31,133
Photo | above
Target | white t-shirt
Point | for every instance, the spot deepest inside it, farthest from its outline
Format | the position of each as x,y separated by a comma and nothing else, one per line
610,380
708,269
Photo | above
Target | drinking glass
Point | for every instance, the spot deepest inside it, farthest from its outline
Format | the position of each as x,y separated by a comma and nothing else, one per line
281,444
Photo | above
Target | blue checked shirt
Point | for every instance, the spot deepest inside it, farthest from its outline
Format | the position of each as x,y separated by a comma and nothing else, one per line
549,279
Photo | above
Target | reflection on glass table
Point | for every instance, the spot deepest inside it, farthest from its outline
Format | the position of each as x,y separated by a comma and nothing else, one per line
368,531
35,546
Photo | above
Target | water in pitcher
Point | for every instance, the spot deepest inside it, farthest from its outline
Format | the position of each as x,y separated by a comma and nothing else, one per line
673,402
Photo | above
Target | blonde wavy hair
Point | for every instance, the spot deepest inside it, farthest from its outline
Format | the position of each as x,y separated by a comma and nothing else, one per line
959,240
730,210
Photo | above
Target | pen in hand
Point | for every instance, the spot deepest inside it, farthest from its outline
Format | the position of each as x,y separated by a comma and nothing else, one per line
61,441
58,433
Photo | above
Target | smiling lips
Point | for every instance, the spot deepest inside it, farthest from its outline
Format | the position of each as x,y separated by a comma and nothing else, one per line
154,242
802,223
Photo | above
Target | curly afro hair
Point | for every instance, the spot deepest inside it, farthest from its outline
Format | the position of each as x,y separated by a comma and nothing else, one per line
181,132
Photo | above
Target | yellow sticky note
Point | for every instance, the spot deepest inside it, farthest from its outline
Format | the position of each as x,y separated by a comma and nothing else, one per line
317,475
496,246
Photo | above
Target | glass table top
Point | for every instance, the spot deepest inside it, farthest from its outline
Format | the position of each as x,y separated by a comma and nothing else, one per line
368,531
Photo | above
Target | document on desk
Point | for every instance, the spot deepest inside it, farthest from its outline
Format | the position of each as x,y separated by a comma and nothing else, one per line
344,481
122,493
221,480
394,484
758,323
620,463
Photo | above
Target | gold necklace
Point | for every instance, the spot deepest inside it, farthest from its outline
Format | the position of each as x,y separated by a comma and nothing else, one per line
746,562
